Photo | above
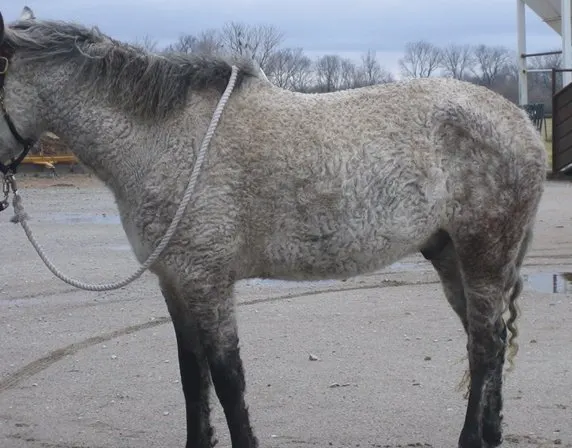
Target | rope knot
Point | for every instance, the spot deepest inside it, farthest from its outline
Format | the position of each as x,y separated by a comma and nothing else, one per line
19,213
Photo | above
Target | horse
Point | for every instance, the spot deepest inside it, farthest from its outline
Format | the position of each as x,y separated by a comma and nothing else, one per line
295,186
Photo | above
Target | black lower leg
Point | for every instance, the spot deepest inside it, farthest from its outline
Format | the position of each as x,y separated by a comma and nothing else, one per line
492,417
194,370
471,435
195,382
486,349
228,378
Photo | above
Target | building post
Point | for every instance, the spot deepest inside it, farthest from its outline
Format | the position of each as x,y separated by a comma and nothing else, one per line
522,72
566,32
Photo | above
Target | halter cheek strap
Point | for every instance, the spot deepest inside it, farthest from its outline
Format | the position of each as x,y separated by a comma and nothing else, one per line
26,143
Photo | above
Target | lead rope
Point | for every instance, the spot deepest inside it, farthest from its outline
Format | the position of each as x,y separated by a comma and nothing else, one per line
21,216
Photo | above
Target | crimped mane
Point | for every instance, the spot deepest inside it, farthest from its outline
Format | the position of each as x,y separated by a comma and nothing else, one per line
145,84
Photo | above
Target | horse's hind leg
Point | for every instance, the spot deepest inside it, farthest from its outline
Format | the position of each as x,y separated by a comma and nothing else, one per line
492,418
441,253
488,266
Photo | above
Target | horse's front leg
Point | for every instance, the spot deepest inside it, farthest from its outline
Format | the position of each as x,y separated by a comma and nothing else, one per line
210,305
194,371
220,339
228,377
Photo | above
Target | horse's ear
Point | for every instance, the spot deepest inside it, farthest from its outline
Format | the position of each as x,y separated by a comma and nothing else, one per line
27,14
1,28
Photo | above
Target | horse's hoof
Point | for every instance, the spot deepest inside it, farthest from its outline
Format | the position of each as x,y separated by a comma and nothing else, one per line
492,435
493,440
471,441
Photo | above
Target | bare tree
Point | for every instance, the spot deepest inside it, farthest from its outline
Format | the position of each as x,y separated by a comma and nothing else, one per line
184,44
257,41
421,59
302,78
146,43
349,75
457,60
370,72
328,72
285,67
491,63
208,42
547,62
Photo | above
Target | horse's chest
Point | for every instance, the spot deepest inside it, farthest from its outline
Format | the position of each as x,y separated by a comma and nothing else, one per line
142,229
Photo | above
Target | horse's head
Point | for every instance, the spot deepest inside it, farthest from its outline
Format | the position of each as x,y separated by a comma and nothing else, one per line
19,99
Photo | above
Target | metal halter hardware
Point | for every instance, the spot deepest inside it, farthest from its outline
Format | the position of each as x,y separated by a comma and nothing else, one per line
8,186
25,142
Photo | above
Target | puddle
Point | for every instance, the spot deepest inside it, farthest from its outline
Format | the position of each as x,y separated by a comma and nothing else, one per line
395,267
85,218
404,266
560,283
121,248
289,283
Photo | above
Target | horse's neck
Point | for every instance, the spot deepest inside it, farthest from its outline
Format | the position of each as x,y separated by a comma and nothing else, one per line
119,149
125,152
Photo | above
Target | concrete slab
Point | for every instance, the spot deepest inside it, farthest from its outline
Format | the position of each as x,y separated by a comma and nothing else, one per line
84,369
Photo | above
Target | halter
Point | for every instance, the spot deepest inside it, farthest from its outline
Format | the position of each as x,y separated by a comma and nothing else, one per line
27,143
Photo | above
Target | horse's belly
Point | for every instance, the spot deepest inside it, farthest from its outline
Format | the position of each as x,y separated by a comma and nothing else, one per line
327,228
340,255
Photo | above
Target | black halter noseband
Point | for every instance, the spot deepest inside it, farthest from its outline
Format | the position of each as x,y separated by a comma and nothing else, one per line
5,56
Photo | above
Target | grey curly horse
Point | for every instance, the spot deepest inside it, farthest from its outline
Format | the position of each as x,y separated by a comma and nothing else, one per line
294,186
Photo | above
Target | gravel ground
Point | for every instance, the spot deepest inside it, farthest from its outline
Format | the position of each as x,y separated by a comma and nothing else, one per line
87,369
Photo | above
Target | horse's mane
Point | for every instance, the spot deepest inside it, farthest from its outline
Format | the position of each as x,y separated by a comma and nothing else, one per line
149,85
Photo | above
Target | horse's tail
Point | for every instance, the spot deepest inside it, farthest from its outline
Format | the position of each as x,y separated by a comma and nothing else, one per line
515,286
512,304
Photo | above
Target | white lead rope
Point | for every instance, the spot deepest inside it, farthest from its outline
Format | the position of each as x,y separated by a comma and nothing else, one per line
21,216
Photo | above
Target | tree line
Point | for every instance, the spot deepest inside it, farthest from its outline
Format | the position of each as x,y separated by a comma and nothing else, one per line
495,67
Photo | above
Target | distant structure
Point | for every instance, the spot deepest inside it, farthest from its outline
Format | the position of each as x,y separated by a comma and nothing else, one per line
50,145
551,13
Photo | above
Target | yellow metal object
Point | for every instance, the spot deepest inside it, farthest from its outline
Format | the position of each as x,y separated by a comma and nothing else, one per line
50,161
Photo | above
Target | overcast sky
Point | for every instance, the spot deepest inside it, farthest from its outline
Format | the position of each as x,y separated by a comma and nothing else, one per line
345,27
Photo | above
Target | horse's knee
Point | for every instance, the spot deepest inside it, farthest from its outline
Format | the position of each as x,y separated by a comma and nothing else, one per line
227,373
225,363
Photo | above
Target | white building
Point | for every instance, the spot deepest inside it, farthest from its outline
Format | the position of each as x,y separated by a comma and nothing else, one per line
551,12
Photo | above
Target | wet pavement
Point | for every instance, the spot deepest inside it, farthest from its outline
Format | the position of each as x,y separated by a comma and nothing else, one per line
373,361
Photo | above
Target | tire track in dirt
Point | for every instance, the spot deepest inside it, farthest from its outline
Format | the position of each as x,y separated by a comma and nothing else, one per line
54,356
44,362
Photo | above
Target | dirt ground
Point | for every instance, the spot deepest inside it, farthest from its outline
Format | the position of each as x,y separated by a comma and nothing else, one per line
87,369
